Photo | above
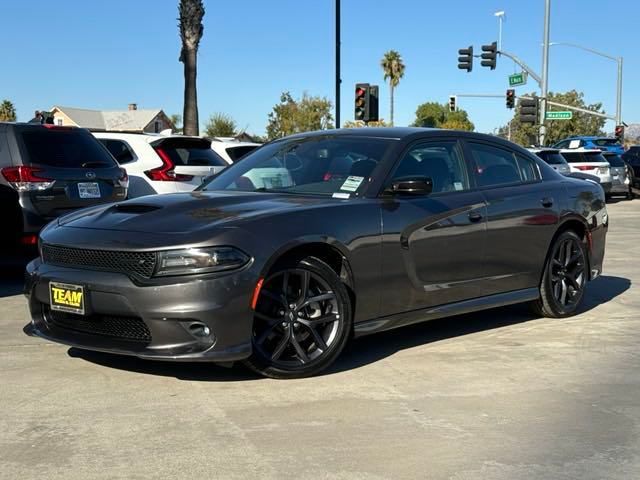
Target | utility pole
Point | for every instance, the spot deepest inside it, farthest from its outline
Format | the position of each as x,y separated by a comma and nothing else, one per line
338,80
545,70
619,94
501,17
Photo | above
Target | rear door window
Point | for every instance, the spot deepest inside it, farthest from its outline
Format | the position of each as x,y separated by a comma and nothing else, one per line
607,142
192,152
63,148
119,149
497,166
236,153
552,158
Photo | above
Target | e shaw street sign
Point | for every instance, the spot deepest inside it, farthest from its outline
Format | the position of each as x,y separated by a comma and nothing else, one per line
566,115
517,79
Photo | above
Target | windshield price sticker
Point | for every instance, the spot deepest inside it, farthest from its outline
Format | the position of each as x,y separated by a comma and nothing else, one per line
351,184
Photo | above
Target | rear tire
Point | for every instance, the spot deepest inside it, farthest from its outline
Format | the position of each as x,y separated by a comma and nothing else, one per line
302,320
564,278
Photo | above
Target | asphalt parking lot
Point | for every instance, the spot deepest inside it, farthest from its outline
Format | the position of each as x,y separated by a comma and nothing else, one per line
494,395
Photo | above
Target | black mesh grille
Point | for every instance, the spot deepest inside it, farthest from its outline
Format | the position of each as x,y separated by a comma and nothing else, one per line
139,263
123,328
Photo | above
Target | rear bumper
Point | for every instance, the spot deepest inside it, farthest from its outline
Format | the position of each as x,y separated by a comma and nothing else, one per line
117,310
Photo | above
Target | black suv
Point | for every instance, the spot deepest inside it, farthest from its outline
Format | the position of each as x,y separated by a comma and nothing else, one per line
47,171
632,157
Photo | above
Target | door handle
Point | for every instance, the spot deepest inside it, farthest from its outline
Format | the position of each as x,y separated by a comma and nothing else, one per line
475,217
547,202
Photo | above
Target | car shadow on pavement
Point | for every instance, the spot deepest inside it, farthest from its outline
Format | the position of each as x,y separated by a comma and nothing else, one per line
367,349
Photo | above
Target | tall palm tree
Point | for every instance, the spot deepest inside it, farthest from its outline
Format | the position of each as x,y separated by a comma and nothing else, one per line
191,30
393,69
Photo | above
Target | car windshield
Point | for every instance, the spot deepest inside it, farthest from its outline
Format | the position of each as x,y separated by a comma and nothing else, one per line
584,157
614,160
330,165
552,158
607,142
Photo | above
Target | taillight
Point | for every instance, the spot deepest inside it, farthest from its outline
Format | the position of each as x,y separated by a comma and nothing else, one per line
29,240
166,172
123,179
25,179
585,167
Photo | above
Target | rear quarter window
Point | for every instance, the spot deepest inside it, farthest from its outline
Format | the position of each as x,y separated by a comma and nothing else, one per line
119,150
60,148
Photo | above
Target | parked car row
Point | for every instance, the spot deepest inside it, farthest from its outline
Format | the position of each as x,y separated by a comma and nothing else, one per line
47,171
603,164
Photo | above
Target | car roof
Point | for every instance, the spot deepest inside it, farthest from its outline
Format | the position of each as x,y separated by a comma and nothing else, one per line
589,137
542,149
144,136
581,150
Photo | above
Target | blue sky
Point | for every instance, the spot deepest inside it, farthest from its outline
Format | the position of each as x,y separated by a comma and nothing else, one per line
106,54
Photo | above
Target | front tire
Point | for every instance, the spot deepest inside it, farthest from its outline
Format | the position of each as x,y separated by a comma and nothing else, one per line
302,320
564,278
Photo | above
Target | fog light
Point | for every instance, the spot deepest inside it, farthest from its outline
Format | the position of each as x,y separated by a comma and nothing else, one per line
199,330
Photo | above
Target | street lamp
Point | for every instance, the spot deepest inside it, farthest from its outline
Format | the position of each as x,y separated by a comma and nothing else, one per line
618,60
501,17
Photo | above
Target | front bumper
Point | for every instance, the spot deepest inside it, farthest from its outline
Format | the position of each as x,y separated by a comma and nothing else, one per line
153,320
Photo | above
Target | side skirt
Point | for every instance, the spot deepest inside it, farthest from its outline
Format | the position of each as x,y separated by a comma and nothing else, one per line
407,318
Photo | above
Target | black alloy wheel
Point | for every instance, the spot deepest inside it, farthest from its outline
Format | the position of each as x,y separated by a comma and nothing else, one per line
302,320
565,277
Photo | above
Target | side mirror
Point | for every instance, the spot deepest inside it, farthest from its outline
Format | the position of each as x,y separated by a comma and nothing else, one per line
411,186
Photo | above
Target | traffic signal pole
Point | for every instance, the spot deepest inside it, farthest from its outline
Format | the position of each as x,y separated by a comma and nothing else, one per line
338,80
544,87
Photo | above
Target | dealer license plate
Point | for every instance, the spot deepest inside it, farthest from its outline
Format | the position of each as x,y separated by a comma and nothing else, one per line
66,297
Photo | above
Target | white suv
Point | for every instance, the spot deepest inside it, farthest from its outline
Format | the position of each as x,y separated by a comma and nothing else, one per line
589,161
231,149
159,163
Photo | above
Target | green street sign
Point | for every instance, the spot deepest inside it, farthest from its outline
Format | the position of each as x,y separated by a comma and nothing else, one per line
517,79
567,115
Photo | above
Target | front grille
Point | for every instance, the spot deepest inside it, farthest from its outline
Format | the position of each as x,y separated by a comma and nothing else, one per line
139,263
113,326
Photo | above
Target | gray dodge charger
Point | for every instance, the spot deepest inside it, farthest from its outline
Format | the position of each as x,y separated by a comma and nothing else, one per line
316,238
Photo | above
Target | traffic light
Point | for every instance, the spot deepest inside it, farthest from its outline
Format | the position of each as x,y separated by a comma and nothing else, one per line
366,103
511,98
489,53
361,101
529,110
465,60
619,133
452,103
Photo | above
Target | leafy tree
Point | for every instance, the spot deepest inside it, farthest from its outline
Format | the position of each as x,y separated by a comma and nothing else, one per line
393,69
221,125
191,30
580,124
176,119
295,116
7,111
437,115
360,124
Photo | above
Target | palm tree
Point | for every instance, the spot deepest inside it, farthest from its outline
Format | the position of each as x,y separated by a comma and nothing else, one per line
191,30
7,111
393,69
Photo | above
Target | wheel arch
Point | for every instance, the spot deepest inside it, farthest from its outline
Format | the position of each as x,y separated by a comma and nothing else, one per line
330,251
573,223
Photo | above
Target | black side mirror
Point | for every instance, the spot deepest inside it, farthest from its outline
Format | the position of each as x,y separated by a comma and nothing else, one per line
411,186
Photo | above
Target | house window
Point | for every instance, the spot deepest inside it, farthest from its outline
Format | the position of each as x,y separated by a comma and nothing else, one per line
59,122
156,126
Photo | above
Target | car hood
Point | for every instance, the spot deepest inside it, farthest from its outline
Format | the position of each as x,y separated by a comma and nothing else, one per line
187,212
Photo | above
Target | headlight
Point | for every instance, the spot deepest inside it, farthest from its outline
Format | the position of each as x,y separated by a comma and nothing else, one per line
199,260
